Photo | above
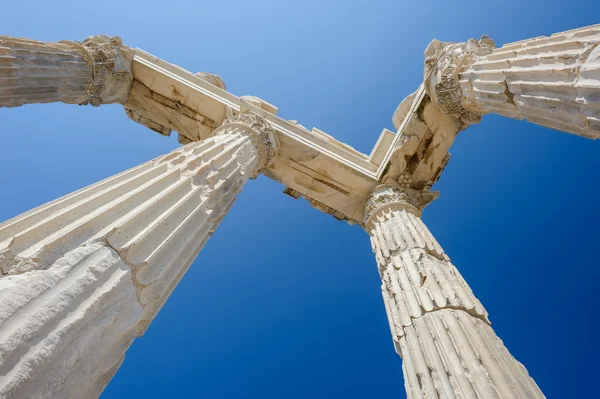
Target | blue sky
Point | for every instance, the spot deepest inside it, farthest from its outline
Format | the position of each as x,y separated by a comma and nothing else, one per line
285,300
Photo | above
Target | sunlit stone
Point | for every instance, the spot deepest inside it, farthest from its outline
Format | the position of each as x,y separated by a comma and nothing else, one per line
93,268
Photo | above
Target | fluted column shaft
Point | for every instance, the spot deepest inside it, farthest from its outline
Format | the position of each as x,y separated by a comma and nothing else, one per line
551,81
96,71
83,275
440,330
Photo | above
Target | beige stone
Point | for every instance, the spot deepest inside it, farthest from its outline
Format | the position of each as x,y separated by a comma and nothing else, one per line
53,320
439,328
93,268
96,71
96,265
552,81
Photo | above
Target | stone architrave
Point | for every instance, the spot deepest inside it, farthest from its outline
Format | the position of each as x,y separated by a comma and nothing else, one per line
440,330
551,81
81,276
96,71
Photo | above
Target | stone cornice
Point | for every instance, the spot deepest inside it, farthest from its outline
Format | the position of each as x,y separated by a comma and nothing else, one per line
392,197
331,175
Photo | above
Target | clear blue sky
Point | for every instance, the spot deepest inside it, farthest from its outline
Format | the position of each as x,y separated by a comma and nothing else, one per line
284,301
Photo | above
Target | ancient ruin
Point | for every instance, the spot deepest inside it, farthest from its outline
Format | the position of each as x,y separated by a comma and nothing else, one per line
96,266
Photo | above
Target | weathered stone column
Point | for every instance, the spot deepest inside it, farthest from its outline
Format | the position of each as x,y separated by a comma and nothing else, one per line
96,71
440,330
552,81
81,276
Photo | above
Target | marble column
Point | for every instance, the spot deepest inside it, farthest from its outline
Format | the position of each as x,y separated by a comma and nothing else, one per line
439,328
96,71
552,81
81,276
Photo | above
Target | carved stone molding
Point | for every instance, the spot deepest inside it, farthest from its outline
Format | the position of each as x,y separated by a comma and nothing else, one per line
92,269
444,61
552,81
388,196
95,71
262,134
212,79
111,69
439,327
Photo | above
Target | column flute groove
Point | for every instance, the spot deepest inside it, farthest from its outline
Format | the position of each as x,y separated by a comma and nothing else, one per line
551,81
96,71
439,328
103,260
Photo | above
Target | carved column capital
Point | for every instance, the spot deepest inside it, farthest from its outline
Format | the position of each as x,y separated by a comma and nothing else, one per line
110,63
96,71
439,328
261,133
389,197
444,61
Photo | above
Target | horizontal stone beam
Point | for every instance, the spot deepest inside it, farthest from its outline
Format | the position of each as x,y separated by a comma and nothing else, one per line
332,176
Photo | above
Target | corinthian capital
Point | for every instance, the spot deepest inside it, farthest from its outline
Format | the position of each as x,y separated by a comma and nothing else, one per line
388,197
444,61
110,64
260,131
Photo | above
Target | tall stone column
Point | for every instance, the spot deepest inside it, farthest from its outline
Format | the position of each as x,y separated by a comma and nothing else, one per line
81,276
440,330
96,71
551,81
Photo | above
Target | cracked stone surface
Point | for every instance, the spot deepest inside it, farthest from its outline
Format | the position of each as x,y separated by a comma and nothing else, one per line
551,81
96,71
439,328
92,269
53,320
